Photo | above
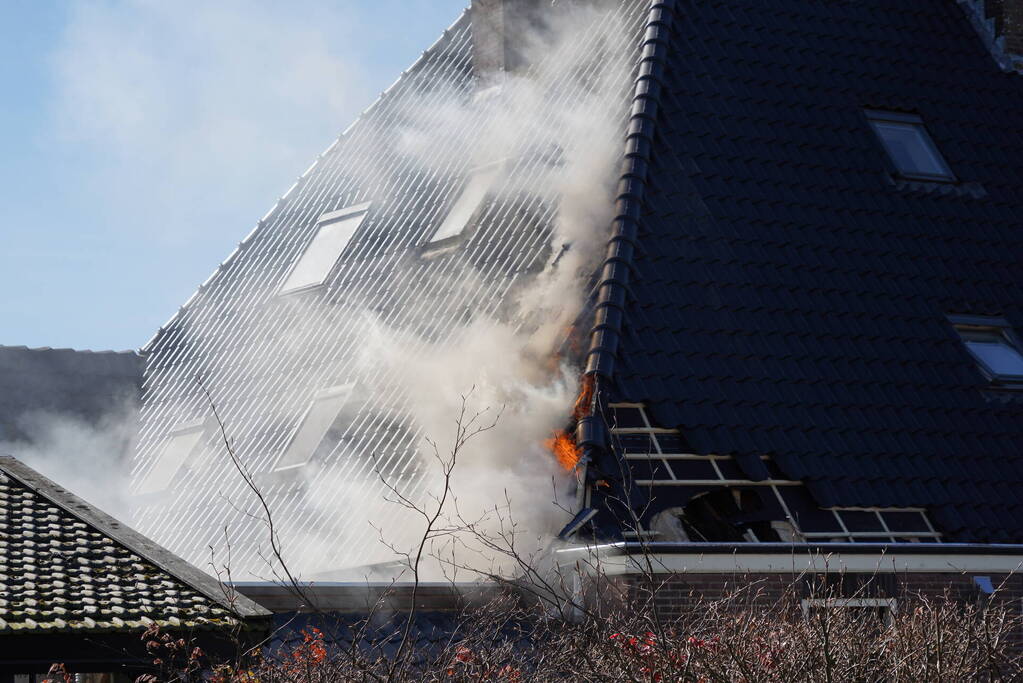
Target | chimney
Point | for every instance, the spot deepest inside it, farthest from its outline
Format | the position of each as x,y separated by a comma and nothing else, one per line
1008,18
502,31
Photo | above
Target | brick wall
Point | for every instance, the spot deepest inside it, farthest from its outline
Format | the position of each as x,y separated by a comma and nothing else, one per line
676,594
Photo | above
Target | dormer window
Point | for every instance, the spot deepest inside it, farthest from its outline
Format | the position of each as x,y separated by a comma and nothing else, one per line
465,206
909,146
334,230
993,344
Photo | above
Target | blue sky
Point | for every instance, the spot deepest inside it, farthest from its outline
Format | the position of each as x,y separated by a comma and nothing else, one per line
142,139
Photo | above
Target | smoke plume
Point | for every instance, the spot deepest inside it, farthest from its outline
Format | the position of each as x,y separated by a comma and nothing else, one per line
506,485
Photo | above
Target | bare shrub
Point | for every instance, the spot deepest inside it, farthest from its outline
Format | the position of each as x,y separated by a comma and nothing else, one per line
553,623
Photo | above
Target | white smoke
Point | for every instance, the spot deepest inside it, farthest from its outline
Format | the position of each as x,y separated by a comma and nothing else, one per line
87,457
506,483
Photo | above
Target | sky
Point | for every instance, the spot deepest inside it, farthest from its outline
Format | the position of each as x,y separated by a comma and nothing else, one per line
141,140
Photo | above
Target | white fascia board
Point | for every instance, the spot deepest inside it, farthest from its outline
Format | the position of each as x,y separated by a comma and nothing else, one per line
609,560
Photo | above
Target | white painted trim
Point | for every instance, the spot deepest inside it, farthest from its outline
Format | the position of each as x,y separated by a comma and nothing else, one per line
610,561
332,216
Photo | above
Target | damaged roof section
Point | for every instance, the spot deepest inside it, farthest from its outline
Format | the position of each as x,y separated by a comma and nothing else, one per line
65,566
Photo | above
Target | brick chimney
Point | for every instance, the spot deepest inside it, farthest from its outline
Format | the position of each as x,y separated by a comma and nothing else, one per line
501,32
1008,18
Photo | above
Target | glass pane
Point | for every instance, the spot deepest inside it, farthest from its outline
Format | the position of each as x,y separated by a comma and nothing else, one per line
174,454
322,253
998,356
314,427
910,148
466,204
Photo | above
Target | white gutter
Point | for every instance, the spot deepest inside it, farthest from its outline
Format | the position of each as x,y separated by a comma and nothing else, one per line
621,559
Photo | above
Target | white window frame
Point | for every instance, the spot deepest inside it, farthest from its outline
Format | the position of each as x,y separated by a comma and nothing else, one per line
355,215
465,208
881,116
997,327
345,390
161,469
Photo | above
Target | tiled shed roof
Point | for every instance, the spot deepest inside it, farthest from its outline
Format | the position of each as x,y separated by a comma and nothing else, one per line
67,567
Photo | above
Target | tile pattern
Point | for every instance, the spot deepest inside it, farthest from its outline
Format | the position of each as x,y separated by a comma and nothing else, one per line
59,573
264,357
789,297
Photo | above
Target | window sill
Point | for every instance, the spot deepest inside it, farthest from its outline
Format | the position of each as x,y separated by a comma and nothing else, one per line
302,291
937,186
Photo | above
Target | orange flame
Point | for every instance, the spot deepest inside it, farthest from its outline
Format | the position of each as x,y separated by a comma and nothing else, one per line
564,449
585,399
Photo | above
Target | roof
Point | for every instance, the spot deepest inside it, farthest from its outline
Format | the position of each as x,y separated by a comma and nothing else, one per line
788,298
265,357
86,385
771,293
67,567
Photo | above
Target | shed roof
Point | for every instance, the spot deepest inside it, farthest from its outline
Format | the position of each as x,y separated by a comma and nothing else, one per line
65,566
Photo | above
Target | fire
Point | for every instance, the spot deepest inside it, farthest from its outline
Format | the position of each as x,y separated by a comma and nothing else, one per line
562,445
585,399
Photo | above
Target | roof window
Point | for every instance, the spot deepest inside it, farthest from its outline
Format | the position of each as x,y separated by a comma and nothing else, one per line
323,419
467,203
909,146
333,233
993,344
182,447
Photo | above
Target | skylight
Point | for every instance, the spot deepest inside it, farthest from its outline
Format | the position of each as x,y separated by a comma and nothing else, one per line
321,418
994,346
909,146
180,448
464,208
335,230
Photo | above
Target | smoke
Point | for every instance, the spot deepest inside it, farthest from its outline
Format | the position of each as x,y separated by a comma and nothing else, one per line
501,370
87,457
189,107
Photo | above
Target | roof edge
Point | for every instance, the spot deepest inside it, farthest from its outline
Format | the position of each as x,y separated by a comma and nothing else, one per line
635,558
612,285
147,347
142,546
